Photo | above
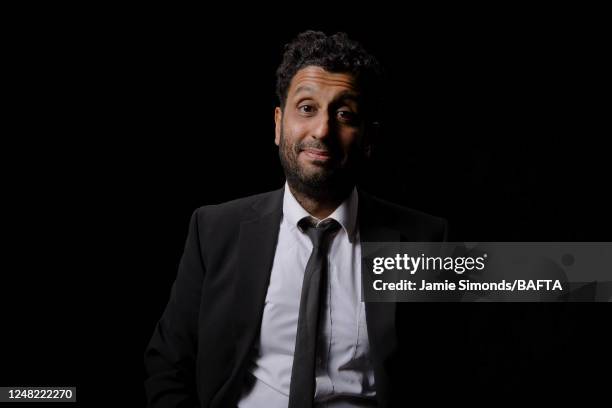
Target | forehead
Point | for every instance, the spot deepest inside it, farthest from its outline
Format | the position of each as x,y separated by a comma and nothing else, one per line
316,79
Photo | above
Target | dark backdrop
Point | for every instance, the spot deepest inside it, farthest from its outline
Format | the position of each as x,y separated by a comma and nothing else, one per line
496,128
128,122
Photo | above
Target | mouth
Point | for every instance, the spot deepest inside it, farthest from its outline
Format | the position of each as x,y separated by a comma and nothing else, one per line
317,154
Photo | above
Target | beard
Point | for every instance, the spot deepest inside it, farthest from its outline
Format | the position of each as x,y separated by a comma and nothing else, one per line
326,180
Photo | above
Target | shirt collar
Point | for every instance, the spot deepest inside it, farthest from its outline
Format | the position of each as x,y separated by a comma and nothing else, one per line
345,214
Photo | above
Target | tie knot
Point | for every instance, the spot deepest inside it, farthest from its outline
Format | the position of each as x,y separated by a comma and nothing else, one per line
318,234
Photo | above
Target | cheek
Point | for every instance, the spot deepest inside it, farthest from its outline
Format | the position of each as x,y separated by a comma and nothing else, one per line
293,133
349,138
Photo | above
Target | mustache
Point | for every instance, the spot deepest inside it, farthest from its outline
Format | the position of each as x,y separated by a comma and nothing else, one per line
314,145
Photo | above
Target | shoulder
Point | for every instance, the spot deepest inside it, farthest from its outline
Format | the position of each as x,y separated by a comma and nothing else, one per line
232,213
216,227
238,206
412,223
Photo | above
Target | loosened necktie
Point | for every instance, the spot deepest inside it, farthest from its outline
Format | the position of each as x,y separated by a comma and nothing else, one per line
302,388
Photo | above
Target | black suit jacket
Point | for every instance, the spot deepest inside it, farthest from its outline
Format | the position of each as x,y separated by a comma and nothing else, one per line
200,349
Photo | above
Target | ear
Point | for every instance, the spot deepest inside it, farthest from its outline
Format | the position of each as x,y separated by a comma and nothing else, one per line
278,117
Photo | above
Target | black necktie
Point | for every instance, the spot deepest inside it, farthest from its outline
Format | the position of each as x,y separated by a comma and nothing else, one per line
302,388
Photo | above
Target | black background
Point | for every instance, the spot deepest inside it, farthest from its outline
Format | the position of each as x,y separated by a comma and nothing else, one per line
123,122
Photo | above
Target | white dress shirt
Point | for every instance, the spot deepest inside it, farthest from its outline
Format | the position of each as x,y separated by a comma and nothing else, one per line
344,375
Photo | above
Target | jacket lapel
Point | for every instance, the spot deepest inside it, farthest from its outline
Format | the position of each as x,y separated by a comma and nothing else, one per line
380,316
256,248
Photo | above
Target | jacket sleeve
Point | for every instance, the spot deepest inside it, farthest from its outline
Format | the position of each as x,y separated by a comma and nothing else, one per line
170,357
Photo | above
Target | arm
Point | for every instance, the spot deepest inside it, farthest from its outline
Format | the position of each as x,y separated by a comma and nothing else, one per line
170,357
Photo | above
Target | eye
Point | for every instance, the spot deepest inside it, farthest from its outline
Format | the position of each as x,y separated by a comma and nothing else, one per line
346,116
306,109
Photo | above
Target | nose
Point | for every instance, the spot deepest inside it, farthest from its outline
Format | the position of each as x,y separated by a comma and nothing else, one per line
321,128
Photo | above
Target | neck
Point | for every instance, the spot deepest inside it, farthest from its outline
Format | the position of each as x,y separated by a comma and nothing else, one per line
320,207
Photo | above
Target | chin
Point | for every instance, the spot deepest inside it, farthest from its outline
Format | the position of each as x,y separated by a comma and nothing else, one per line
312,169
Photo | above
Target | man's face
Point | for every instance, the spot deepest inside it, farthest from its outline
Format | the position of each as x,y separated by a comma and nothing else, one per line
320,131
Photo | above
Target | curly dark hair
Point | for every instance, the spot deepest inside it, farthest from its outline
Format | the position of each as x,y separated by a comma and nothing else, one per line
334,53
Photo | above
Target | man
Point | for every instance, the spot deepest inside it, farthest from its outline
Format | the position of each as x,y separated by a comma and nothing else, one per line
266,310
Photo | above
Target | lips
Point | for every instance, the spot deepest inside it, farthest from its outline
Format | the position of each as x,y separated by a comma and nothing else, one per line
317,154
